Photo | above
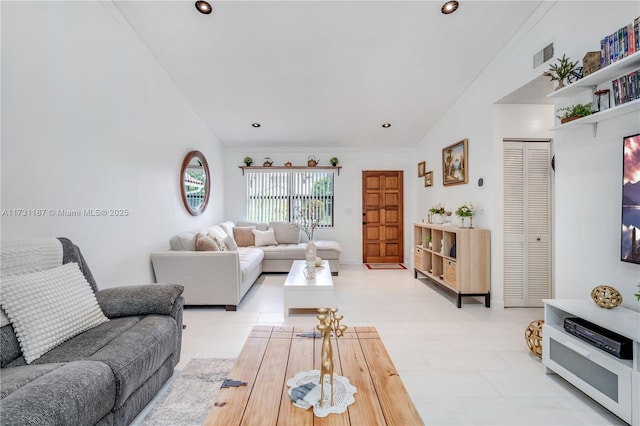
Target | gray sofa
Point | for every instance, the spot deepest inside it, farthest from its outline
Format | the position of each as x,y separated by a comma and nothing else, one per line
105,375
223,278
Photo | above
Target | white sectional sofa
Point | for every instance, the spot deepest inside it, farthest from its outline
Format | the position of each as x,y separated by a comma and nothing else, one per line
224,277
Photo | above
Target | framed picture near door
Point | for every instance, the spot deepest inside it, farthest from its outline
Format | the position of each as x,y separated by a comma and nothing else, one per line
455,168
422,168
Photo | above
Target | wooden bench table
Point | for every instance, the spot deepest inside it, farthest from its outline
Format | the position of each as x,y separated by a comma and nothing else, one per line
273,355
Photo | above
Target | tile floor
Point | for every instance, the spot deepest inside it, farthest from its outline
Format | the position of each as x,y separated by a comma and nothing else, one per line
468,366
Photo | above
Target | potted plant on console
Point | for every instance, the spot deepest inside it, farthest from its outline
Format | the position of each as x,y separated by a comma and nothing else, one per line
436,213
464,212
248,161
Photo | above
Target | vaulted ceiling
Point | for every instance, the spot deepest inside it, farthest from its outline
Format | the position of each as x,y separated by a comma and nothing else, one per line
324,73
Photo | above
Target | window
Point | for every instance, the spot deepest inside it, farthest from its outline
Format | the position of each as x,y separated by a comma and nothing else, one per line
288,196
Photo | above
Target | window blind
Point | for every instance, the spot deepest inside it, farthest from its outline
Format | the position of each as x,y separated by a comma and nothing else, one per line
291,196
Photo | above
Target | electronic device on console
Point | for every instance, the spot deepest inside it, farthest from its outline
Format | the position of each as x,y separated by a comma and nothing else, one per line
606,340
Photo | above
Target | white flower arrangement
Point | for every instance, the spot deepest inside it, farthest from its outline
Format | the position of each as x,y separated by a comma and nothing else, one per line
437,209
465,210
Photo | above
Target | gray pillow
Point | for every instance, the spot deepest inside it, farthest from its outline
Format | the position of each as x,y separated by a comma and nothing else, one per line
285,233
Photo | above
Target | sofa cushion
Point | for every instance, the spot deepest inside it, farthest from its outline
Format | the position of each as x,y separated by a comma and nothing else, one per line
80,392
184,241
48,307
133,347
227,227
205,243
325,250
243,236
285,233
265,238
261,226
250,258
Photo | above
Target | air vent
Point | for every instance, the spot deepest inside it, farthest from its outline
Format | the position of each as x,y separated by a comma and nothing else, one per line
543,56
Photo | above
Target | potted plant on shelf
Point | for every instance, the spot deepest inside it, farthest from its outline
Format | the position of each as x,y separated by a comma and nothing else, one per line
573,112
561,70
437,213
333,161
465,211
248,161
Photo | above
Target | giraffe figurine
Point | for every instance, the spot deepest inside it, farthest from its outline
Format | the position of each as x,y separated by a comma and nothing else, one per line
329,322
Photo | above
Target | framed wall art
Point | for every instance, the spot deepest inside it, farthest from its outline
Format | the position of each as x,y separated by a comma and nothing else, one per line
455,168
422,168
428,178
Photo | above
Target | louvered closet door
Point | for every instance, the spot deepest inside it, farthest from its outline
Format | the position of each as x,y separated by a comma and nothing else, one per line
527,223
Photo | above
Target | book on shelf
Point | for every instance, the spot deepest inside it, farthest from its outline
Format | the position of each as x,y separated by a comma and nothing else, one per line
621,43
626,88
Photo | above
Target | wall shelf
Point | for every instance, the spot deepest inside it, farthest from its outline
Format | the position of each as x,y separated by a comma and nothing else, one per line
609,72
607,114
337,168
591,82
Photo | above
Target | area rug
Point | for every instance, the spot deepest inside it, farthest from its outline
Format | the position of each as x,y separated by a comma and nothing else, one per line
189,398
385,266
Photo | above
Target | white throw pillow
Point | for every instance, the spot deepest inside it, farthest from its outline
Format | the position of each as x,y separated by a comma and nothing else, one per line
265,238
49,307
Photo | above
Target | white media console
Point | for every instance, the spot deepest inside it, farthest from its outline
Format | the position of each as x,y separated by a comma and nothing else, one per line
613,382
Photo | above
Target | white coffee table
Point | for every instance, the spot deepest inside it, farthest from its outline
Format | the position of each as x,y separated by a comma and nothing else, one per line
300,292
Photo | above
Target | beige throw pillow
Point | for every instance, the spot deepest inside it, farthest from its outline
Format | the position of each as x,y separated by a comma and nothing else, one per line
243,236
206,243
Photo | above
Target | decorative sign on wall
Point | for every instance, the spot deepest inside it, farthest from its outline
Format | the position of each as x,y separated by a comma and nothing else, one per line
455,169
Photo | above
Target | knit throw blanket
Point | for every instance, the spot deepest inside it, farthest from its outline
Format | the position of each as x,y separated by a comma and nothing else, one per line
24,256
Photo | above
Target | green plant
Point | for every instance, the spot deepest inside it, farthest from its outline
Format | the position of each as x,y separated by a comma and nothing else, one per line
437,209
637,295
334,161
577,110
561,70
248,161
465,210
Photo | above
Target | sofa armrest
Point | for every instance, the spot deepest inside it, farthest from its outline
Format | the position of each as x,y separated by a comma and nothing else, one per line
149,299
209,277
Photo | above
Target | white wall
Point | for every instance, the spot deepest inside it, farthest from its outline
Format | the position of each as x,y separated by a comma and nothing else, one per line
587,183
90,121
348,188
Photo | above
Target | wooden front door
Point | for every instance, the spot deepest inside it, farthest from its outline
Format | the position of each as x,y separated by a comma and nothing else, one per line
382,217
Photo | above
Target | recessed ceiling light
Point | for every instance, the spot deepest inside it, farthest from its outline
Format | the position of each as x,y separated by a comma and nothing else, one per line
203,7
255,124
449,7
386,125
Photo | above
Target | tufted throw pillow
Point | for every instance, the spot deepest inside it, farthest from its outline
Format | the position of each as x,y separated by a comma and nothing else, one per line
206,243
219,242
243,236
265,238
49,307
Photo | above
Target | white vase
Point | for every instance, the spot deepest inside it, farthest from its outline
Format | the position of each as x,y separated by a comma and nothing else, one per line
465,221
437,218
311,252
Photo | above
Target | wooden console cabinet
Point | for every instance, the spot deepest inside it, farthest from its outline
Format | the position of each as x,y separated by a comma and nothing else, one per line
467,271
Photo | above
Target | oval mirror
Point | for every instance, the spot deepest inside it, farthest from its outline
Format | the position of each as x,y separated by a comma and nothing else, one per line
195,183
